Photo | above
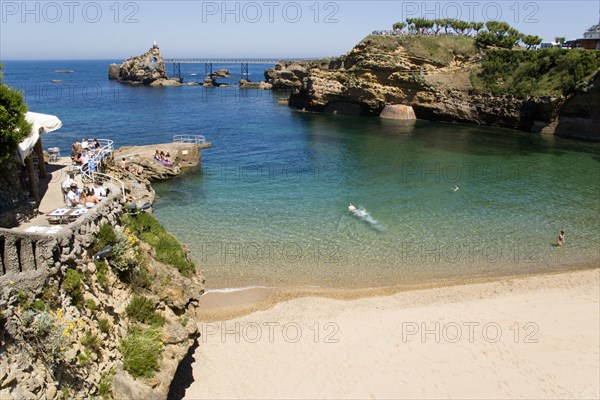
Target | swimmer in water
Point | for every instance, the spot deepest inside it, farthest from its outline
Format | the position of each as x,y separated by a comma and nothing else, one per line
455,188
560,240
351,207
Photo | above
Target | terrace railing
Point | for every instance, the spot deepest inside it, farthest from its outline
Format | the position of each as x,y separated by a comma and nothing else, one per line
194,139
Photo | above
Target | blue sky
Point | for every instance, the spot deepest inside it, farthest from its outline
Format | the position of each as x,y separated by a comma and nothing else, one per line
73,29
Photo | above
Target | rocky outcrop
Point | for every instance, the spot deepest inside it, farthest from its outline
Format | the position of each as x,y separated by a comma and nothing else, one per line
287,75
244,84
579,116
146,69
380,71
221,73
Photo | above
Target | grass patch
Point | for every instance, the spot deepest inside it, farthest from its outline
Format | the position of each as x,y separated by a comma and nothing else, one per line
168,249
439,50
141,351
546,72
143,310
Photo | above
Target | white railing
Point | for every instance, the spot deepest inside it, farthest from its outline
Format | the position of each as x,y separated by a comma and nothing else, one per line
90,170
195,139
92,175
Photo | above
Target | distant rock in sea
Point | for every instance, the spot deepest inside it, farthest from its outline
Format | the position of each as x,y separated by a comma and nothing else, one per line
64,71
57,80
146,69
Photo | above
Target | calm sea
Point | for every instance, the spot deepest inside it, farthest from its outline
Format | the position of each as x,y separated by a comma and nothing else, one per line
269,206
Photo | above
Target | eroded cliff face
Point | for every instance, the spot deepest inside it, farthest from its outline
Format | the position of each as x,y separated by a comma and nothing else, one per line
434,78
579,117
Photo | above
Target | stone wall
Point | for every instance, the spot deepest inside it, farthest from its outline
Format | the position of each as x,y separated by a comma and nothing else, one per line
13,200
27,260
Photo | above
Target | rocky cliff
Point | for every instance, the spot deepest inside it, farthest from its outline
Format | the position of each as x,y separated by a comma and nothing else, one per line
85,325
146,69
433,74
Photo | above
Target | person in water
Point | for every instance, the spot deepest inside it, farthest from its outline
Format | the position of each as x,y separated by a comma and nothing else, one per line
455,188
560,240
351,207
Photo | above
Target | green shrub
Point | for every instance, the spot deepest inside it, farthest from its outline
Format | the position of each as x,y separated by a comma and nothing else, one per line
538,73
73,286
39,305
104,325
91,342
51,296
13,126
125,256
142,309
105,385
106,236
141,351
83,359
168,249
23,299
101,271
138,278
90,305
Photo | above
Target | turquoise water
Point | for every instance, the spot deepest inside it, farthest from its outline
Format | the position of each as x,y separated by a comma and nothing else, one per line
269,206
272,210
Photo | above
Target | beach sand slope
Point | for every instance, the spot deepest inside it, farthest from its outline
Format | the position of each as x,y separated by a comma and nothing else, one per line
534,337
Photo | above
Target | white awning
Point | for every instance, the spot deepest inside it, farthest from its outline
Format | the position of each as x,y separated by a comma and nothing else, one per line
39,123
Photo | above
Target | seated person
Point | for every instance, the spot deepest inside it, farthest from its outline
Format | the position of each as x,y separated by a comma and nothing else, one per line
124,164
90,199
157,156
66,185
73,198
96,144
167,159
138,169
99,189
84,144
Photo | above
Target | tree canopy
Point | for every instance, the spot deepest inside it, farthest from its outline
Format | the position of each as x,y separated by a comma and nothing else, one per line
13,126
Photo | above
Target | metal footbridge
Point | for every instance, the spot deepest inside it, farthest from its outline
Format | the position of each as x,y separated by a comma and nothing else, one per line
208,64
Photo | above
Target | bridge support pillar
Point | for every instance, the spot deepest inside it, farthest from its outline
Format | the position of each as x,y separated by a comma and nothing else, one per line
177,70
208,70
245,74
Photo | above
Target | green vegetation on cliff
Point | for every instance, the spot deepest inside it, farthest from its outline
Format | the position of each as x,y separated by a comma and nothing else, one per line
548,72
438,50
13,126
168,249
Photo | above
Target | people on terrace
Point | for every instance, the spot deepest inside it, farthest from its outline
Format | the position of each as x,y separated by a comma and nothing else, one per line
163,158
73,197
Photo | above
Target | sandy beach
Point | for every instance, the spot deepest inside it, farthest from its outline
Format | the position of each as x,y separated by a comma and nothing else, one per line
533,337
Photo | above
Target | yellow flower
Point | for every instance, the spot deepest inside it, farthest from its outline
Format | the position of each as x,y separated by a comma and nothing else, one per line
11,282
